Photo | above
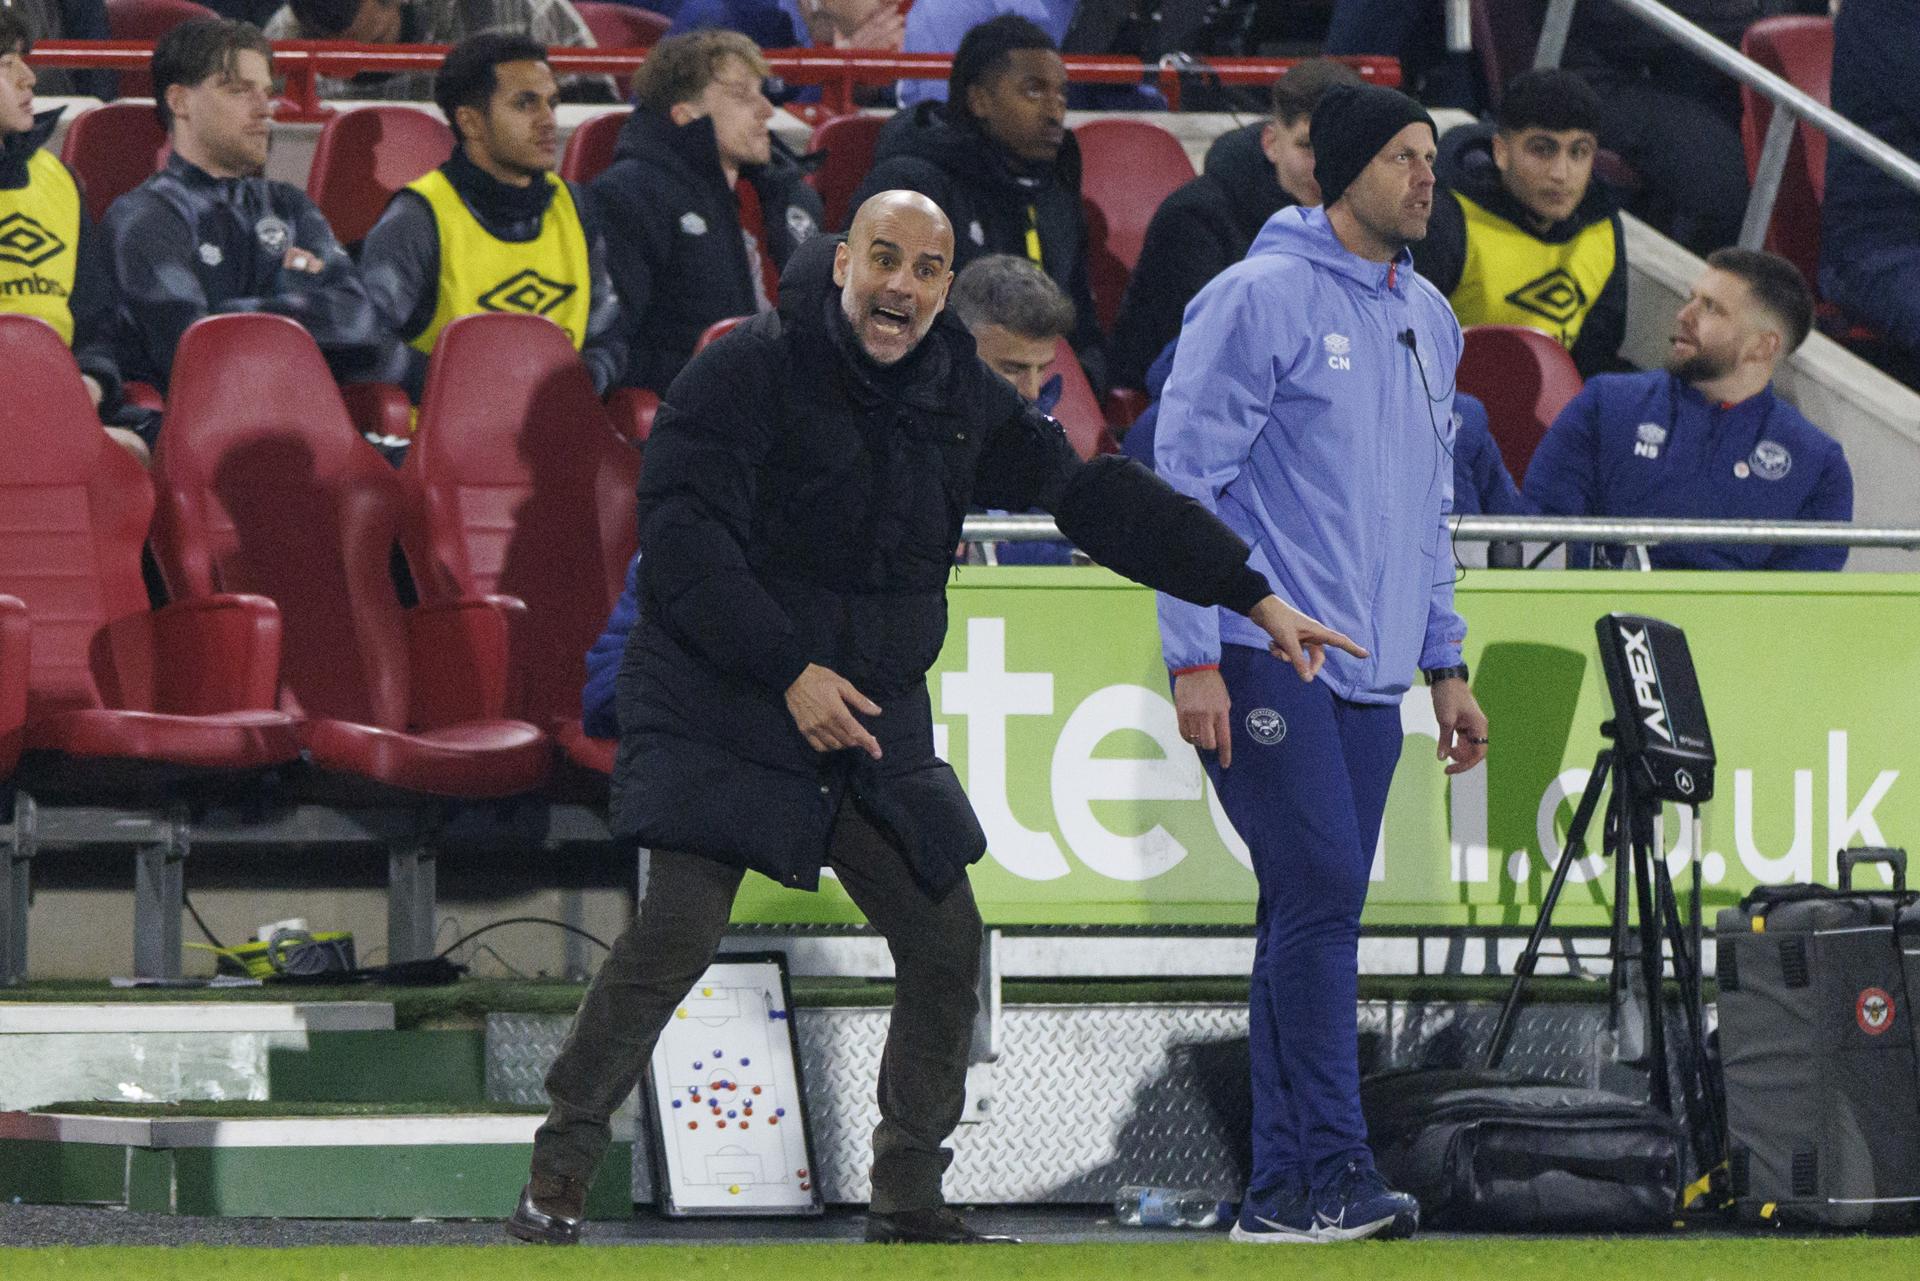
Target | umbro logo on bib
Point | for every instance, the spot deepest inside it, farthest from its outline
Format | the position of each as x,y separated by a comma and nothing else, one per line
26,241
1556,296
526,291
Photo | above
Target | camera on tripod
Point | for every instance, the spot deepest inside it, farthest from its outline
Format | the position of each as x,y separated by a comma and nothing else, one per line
1660,749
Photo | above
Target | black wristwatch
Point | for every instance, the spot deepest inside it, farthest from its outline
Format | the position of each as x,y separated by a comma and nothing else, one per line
1458,672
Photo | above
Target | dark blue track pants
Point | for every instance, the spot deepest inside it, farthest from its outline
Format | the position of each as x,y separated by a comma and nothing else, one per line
1306,792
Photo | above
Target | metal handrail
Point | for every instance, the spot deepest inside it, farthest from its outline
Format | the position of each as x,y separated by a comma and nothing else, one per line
1567,529
1790,106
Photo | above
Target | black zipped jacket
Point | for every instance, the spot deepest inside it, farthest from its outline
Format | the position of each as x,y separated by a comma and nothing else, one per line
679,260
187,245
801,505
985,193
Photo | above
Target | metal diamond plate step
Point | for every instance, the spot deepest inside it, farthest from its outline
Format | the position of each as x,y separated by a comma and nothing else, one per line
1086,1098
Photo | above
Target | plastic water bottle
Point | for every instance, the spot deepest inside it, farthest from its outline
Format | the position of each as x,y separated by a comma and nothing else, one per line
1139,1207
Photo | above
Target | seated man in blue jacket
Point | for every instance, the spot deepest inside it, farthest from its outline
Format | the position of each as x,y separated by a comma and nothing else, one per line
1706,437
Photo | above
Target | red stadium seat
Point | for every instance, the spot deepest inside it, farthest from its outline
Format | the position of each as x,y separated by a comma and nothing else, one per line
523,487
266,486
1525,379
127,711
112,149
622,26
632,410
717,330
848,143
15,636
1798,49
147,20
1078,409
365,155
590,148
594,755
1127,168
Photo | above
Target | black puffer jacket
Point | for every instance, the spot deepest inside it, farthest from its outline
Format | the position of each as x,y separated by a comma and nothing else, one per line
1197,233
801,504
678,260
985,192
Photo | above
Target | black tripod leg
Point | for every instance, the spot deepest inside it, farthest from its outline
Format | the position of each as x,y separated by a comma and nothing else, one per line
1696,1077
1572,852
1653,970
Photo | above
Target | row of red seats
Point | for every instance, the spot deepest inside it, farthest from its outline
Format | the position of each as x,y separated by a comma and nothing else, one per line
286,670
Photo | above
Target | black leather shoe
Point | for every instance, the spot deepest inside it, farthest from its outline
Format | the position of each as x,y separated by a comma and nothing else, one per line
550,1211
937,1226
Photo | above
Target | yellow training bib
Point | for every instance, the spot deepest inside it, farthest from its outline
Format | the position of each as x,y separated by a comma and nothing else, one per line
1513,278
40,244
546,276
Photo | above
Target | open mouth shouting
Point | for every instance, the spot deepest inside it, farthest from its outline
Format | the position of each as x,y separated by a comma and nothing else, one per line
890,322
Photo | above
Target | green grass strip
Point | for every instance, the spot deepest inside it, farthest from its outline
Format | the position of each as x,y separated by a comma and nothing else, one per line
1584,1259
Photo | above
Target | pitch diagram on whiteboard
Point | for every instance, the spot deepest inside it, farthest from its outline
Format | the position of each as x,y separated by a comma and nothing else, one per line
731,1131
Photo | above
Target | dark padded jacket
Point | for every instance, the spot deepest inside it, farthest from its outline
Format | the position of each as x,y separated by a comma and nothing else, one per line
801,505
986,193
1466,165
1198,232
679,260
187,245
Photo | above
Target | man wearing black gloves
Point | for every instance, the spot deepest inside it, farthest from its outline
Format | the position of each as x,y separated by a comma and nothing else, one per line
804,490
998,159
209,234
493,229
708,203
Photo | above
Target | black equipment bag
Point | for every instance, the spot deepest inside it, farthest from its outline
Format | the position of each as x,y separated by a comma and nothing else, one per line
1818,1047
1492,1151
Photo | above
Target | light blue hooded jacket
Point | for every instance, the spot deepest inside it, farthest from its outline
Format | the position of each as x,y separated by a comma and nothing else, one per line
1297,412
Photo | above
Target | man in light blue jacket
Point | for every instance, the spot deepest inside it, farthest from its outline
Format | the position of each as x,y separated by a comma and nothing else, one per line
1310,406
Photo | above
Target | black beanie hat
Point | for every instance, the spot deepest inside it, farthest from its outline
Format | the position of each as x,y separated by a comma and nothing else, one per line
1350,125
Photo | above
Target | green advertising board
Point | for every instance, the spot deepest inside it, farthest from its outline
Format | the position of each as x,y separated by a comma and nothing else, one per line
1052,703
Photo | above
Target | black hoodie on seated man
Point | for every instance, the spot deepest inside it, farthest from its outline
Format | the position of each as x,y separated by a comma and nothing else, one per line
706,203
998,159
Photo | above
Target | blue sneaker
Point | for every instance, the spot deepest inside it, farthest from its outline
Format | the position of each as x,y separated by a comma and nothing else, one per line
1280,1217
1357,1203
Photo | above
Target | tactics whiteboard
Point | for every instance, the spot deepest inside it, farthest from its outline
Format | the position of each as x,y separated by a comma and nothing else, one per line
730,1134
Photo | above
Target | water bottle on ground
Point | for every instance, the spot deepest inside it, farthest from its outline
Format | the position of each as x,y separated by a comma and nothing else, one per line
1142,1207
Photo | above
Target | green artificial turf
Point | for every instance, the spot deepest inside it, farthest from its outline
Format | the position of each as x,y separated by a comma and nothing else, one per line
1583,1259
